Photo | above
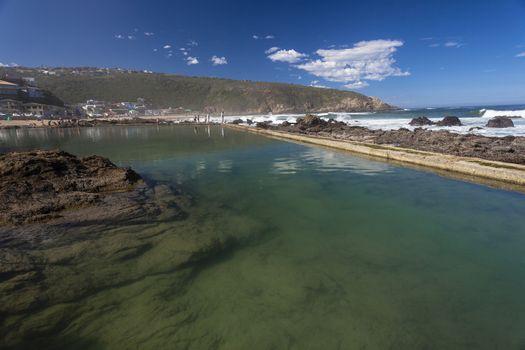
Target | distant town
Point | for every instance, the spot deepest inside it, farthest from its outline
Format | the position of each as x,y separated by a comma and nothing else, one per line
22,98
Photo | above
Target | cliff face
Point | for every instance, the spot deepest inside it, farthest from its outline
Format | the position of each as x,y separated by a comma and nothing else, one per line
199,94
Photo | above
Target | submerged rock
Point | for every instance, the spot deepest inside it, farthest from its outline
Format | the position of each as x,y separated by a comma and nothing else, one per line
38,185
500,122
449,121
421,121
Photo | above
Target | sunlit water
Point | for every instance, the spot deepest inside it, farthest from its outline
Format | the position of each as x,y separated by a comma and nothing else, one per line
355,254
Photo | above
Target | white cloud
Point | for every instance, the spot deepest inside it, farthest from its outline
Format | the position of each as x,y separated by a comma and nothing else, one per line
149,33
289,56
357,85
167,47
521,54
434,45
366,60
155,50
453,44
427,39
12,64
271,50
192,60
122,37
192,43
217,61
315,83
257,37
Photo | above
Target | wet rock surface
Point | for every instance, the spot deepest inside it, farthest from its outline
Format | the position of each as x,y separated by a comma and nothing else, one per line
505,149
36,186
500,122
449,121
421,121
125,232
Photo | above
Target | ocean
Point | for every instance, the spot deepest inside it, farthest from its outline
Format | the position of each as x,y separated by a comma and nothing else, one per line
473,118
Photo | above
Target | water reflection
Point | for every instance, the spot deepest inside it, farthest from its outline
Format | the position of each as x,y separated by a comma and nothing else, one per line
225,166
322,160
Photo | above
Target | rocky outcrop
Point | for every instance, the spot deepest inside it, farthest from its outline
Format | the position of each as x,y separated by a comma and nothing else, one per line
449,121
98,227
500,122
421,121
505,149
309,121
36,186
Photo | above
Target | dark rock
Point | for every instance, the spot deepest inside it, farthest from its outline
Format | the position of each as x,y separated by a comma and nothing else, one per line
249,121
310,120
500,122
449,121
421,121
285,124
237,121
37,185
504,149
263,125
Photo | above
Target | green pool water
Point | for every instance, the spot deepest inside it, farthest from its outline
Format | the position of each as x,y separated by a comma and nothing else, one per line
340,252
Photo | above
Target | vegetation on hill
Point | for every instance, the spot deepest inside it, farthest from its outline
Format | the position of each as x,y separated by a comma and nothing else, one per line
75,85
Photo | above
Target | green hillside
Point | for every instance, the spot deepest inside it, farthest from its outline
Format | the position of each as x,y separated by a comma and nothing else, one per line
75,85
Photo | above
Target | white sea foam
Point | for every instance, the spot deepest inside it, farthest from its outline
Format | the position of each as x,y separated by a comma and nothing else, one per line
490,113
472,125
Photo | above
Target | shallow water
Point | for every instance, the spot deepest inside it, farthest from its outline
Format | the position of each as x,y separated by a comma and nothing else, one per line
346,252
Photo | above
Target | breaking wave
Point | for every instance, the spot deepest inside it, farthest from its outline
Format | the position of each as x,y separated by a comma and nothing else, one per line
490,113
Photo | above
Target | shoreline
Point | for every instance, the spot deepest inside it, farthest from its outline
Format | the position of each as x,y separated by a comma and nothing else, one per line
471,168
500,174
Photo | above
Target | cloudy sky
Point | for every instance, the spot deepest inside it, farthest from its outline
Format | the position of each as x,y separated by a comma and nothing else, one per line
409,53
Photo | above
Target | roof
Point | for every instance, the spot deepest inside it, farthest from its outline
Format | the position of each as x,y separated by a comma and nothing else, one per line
3,82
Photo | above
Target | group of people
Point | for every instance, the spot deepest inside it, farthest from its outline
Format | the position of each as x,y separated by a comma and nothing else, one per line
206,119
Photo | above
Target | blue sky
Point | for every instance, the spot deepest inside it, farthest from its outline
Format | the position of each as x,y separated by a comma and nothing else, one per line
409,53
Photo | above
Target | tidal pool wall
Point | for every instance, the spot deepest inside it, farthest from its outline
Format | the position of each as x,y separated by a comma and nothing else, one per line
499,174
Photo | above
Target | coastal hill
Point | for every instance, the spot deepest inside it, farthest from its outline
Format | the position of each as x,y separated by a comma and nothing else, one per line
212,95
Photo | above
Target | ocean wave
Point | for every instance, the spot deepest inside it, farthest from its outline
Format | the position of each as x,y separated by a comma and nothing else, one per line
490,113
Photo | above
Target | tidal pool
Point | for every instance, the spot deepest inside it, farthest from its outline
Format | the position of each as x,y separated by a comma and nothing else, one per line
335,252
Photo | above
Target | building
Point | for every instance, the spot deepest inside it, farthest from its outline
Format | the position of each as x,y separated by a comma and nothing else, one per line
94,108
8,89
10,106
35,108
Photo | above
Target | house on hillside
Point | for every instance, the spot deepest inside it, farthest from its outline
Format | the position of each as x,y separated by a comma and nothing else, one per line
8,89
36,108
10,106
94,108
